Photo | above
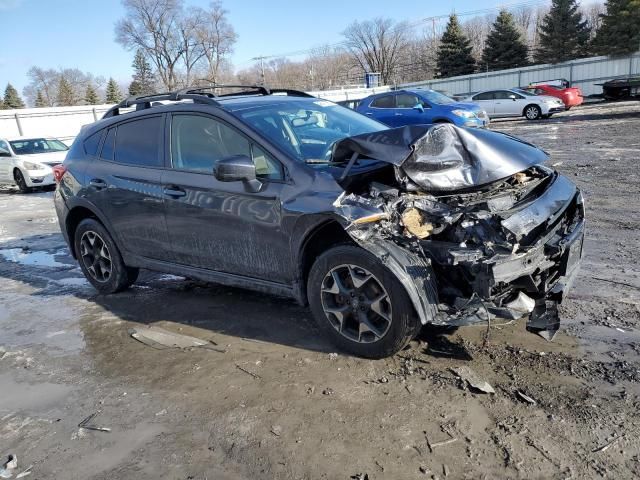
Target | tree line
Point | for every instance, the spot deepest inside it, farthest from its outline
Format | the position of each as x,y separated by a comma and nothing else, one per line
175,45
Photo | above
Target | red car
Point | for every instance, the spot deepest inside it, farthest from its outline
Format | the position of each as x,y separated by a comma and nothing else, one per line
571,96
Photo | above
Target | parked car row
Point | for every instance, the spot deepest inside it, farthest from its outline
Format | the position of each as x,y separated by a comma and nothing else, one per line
426,106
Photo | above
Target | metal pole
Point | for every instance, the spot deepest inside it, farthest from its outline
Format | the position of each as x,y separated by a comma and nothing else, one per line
95,116
19,124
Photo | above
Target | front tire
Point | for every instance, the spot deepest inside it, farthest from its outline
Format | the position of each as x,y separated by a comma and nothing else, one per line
532,112
100,259
20,181
360,304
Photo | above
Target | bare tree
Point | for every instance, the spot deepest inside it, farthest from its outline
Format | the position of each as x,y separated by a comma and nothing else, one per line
43,80
153,27
592,12
188,27
377,45
216,37
476,29
47,81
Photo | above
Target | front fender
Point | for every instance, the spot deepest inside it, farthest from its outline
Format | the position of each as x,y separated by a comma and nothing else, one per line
414,273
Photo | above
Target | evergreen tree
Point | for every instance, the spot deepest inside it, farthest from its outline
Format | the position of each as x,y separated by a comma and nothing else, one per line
454,53
113,94
40,100
504,47
143,82
619,33
2,107
11,98
64,95
563,34
90,96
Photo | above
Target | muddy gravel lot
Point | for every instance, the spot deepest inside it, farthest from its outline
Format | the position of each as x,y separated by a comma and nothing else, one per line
266,397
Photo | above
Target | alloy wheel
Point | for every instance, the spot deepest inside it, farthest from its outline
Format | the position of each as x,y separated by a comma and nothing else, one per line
95,256
356,303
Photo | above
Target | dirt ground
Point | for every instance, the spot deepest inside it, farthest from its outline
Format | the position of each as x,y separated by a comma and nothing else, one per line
275,402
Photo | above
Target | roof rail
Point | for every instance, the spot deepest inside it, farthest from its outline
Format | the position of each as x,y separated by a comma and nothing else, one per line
144,101
291,93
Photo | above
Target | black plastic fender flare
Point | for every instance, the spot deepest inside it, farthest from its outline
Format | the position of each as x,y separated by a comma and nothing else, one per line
414,272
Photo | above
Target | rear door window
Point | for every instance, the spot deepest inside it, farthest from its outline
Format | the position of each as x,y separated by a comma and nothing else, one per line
138,142
384,102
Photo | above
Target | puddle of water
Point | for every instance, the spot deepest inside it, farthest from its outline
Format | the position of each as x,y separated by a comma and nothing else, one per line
29,397
35,258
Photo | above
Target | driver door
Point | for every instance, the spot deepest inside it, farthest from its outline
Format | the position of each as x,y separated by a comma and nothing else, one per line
217,225
508,104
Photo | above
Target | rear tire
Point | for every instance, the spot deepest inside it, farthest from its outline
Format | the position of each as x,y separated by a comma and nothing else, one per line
100,259
359,304
532,112
20,181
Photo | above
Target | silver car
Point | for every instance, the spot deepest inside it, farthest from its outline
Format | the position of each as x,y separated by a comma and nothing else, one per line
515,102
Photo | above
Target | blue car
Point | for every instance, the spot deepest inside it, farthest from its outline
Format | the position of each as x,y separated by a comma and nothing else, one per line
416,106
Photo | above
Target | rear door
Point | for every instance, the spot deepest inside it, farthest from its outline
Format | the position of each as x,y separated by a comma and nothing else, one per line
486,102
124,183
220,225
383,109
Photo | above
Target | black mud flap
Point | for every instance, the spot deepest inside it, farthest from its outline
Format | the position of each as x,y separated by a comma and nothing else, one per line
544,320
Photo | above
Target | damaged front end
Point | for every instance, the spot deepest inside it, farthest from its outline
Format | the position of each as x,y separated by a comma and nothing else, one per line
473,224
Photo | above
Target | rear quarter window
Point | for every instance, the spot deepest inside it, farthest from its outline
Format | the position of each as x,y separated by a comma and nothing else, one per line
92,142
138,142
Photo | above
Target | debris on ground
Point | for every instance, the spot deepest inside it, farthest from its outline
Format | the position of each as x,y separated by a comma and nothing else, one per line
609,444
525,398
88,426
248,372
327,391
333,356
276,430
7,468
360,476
162,339
471,378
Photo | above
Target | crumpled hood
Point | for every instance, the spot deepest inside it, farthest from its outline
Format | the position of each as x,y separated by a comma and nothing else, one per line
443,157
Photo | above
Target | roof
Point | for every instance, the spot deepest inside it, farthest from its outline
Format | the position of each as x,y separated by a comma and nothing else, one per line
15,138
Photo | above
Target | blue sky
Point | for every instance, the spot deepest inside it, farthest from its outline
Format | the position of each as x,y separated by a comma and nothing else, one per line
79,33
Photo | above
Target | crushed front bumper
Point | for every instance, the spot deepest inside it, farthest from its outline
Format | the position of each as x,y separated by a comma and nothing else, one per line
529,283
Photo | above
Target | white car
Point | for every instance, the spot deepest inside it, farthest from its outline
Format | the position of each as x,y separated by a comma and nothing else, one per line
516,103
28,162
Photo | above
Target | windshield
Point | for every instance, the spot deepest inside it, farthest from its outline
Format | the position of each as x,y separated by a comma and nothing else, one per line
435,97
32,146
307,129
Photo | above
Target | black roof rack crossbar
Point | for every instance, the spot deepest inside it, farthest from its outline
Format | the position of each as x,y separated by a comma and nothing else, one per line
144,101
261,89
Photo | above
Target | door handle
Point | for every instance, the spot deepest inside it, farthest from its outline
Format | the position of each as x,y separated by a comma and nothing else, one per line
397,114
174,192
368,113
97,183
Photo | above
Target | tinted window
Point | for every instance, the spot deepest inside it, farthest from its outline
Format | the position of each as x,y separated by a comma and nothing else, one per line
138,142
505,95
383,102
198,142
107,148
404,100
92,142
484,96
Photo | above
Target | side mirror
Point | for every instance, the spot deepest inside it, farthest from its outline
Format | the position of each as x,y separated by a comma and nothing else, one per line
238,168
419,107
512,97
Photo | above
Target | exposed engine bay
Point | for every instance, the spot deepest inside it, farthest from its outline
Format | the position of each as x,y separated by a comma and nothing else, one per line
485,228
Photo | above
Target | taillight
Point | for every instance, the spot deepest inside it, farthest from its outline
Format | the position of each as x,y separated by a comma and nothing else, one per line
58,172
